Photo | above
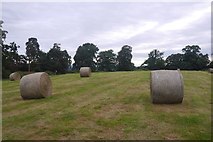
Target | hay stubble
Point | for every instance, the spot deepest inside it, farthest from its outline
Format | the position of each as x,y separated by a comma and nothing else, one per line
77,110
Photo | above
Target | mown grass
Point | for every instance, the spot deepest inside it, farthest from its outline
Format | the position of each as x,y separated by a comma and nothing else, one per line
112,105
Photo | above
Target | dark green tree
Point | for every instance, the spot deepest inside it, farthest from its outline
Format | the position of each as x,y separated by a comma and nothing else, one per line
23,66
193,59
86,56
42,64
11,56
174,61
10,59
210,64
155,60
3,32
124,59
5,72
32,52
58,61
106,61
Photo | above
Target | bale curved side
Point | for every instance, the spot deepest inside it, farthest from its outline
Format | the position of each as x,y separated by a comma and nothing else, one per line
35,86
85,72
166,86
15,76
210,70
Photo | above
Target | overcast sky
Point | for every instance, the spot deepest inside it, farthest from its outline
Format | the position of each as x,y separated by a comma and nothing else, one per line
145,26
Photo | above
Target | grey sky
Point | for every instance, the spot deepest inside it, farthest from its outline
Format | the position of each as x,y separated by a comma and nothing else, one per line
145,26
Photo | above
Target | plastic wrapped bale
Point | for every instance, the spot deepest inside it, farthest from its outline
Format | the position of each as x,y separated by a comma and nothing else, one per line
35,86
85,72
15,76
166,86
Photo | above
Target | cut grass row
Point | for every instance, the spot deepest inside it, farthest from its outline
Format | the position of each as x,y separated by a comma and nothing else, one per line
113,105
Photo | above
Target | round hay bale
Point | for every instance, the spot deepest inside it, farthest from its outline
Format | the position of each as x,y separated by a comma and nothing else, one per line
15,76
85,72
166,87
35,86
210,70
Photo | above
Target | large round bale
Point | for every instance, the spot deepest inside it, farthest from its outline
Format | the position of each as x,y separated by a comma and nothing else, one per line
210,70
85,72
15,76
166,87
35,86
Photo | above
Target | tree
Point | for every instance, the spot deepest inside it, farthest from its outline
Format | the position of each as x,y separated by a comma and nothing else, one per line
124,59
23,63
174,61
32,51
210,64
58,61
3,32
86,56
155,60
10,58
4,72
42,64
193,59
106,61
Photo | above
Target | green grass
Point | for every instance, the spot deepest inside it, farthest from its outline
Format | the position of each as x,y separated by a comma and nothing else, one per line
114,105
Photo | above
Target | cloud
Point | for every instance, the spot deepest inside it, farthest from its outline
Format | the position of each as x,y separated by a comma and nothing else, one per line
124,32
185,21
168,27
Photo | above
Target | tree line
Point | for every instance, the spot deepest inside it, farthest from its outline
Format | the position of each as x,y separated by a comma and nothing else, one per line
59,61
190,59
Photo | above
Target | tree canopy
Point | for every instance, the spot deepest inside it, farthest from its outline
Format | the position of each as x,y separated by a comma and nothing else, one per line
3,32
32,51
10,57
106,61
191,59
155,60
174,61
58,61
86,56
124,59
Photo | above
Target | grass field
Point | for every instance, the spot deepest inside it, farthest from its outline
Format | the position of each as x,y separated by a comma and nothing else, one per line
114,105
